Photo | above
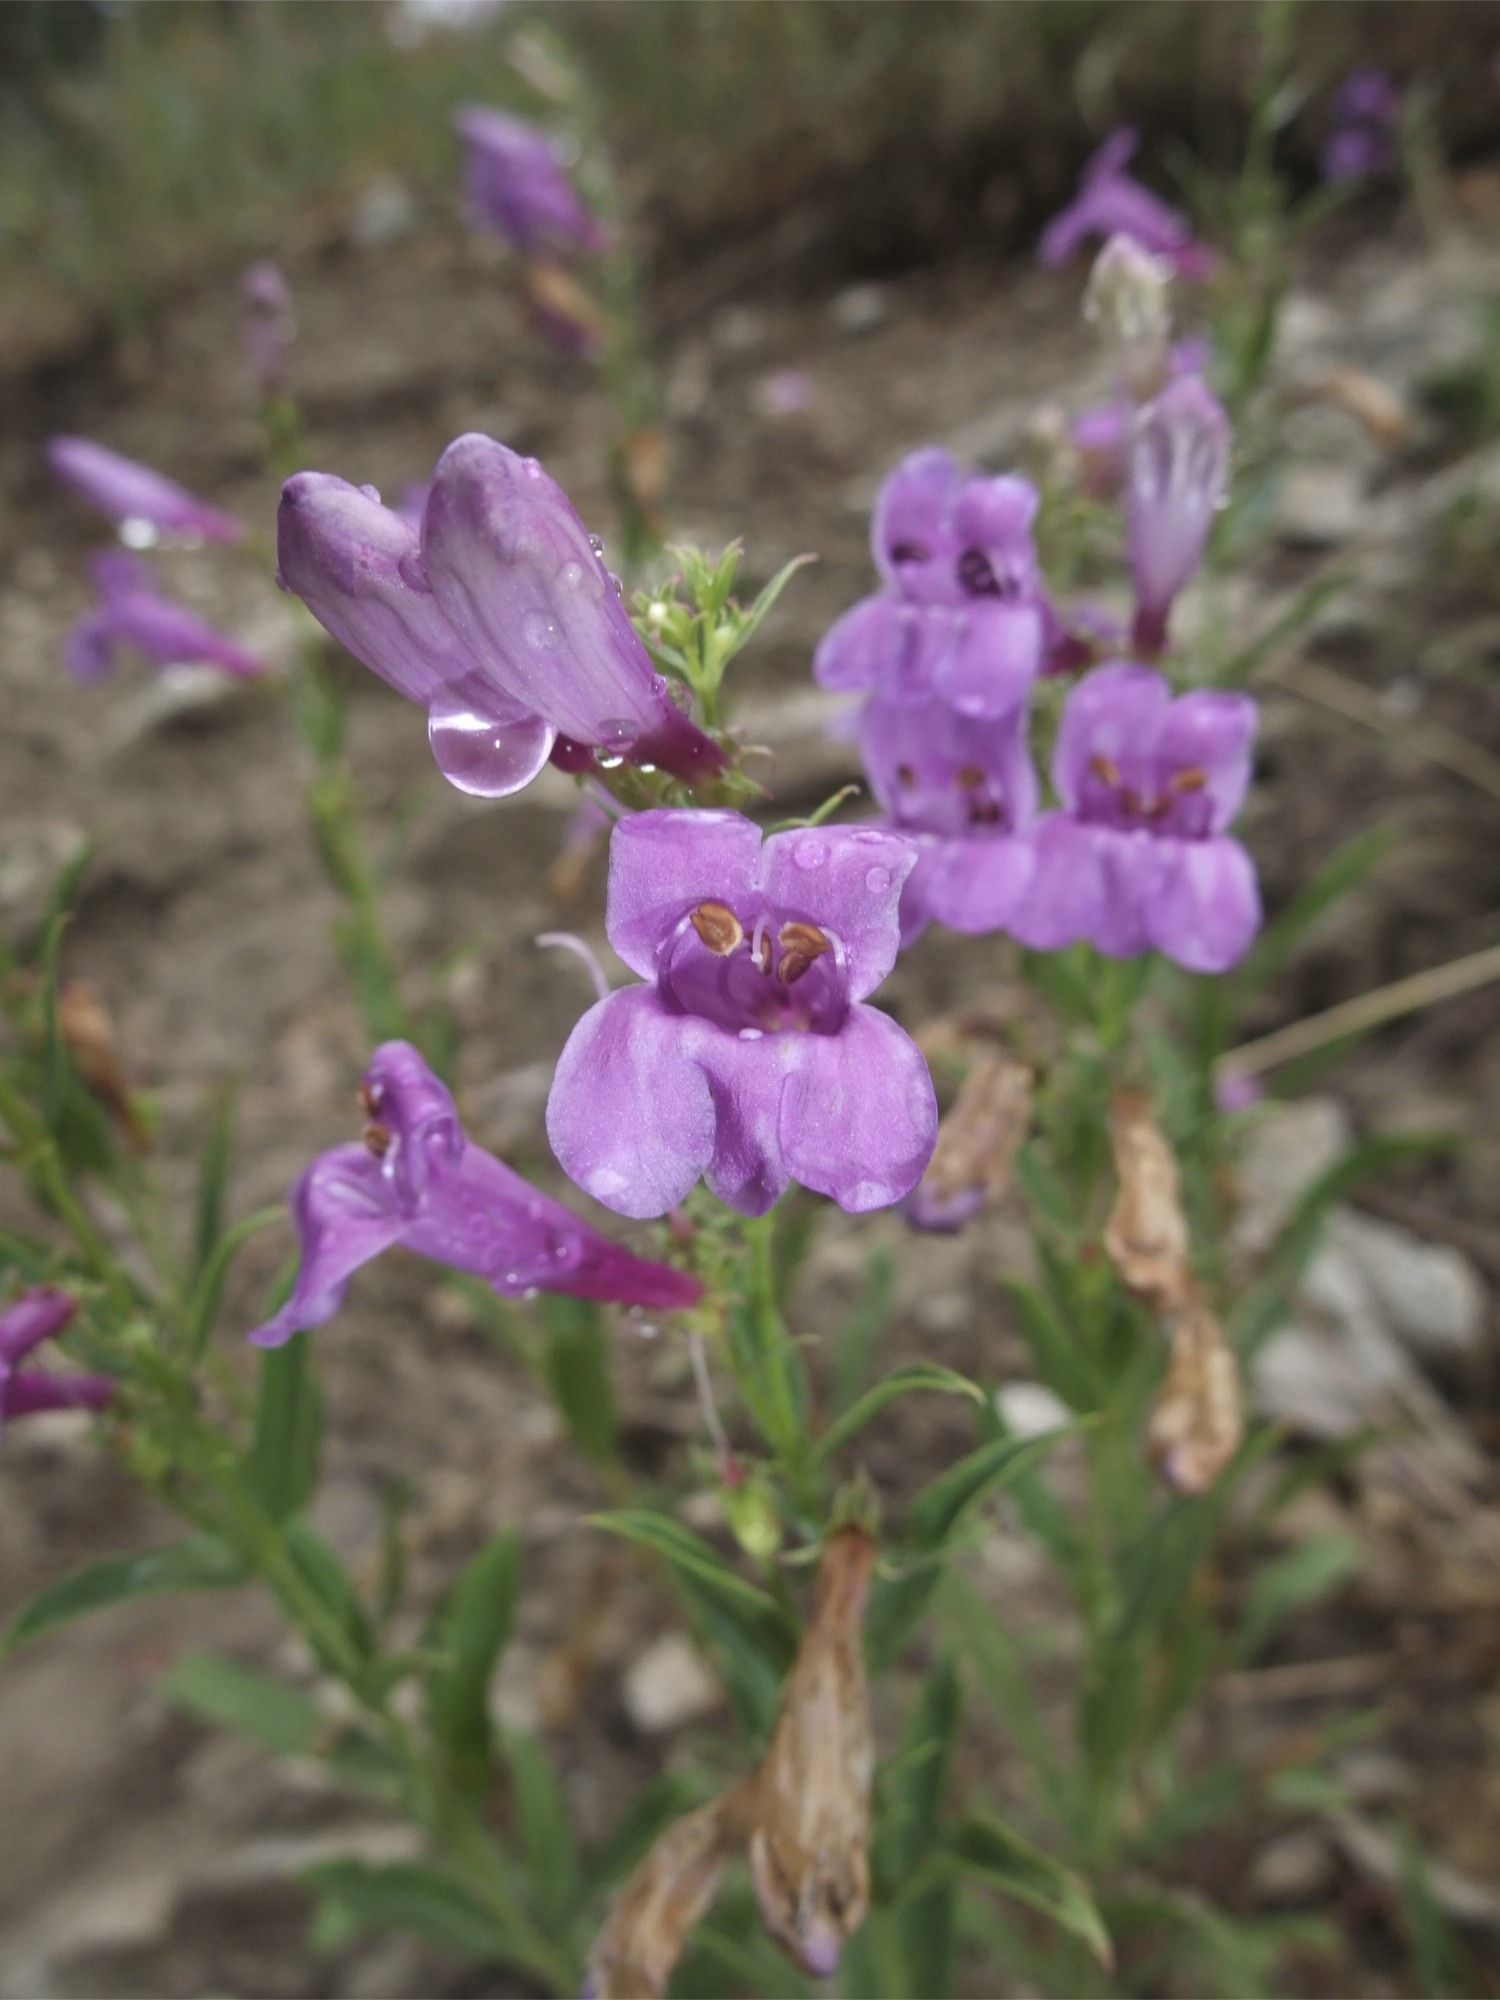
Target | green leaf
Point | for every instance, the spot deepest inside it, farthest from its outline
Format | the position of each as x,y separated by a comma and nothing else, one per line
322,1571
930,1376
912,1792
469,1633
691,1557
1057,1349
998,1853
213,1177
575,1356
544,1821
282,1462
897,1604
199,1563
1298,1578
750,622
203,1302
855,1342
358,1896
234,1696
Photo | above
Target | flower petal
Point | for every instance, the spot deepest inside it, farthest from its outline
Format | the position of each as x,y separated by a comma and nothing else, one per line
1203,906
663,864
867,649
482,1217
36,1316
858,1115
30,1391
126,491
345,1215
1113,712
975,886
356,567
909,528
848,881
994,655
630,1116
1064,898
1214,733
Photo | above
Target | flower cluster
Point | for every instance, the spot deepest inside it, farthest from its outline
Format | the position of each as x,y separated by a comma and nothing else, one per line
1136,856
1111,202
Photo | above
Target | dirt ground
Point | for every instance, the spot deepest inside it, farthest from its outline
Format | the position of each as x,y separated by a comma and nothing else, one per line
143,1856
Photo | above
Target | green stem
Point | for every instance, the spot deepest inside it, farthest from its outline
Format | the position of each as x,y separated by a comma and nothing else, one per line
37,1153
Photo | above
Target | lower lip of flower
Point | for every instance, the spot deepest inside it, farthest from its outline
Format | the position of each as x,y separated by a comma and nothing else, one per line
755,973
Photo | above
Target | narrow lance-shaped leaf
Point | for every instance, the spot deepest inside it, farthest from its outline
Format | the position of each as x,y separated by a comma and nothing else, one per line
469,1633
999,1854
199,1563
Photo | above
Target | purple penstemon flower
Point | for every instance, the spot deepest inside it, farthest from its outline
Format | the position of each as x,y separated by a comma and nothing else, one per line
1364,115
269,324
1138,858
962,616
1176,479
748,1057
1101,434
965,793
517,183
40,1315
1111,202
132,615
499,617
418,1182
140,500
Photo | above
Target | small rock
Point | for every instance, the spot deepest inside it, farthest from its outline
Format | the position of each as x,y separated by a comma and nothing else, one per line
1285,1150
1429,1294
669,1685
861,308
739,329
1318,506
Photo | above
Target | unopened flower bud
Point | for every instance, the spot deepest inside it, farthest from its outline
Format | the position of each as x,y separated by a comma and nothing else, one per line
976,1147
1127,301
269,325
1176,479
1198,1422
650,1919
1146,1236
753,1519
809,1846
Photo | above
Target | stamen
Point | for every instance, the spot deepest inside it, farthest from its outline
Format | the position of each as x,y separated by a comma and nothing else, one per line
1193,779
910,552
718,927
906,777
369,1096
969,778
986,812
378,1139
802,945
1105,769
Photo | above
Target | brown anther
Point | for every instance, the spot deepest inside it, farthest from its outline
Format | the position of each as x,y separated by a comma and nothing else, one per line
905,776
969,778
986,812
909,552
719,928
1191,780
377,1138
1132,802
1105,769
801,946
368,1099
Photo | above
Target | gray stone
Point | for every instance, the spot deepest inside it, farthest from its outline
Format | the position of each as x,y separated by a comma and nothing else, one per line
1318,506
1428,1294
1296,1870
669,1685
1285,1150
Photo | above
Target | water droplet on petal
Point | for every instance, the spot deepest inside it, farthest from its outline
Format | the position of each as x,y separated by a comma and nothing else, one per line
810,854
616,733
139,534
540,631
751,1034
570,576
877,880
596,543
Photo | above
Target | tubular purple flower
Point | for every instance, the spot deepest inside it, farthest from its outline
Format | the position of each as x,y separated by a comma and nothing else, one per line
418,1182
516,575
132,615
965,792
135,496
1364,115
1138,858
1111,202
357,567
269,324
1176,480
748,1057
38,1315
962,616
1101,435
517,183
